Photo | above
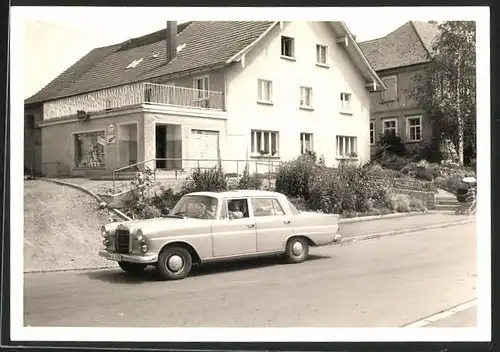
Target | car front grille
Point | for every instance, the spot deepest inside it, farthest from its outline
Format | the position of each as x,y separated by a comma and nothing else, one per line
122,241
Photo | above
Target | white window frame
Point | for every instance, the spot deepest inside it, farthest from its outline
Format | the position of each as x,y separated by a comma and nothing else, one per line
283,55
303,102
260,89
345,105
390,120
202,93
372,136
409,128
349,146
303,141
384,97
320,47
255,150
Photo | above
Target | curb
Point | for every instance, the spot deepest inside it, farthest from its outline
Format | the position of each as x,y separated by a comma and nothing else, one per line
90,193
386,216
343,241
371,236
42,271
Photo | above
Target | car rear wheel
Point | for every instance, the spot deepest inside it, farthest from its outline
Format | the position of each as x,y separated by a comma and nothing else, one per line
297,250
174,263
133,268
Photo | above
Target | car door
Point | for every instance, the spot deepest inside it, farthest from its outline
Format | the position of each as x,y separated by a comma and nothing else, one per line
273,225
233,236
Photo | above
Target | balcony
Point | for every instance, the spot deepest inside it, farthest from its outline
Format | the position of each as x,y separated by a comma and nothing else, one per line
134,94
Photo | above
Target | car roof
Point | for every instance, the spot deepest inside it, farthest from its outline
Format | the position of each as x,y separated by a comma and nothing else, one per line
238,193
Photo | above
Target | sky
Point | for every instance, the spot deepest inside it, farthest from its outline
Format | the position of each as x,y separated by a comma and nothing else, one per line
55,41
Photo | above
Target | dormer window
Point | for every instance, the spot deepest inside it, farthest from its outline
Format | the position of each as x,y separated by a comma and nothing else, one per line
134,63
180,47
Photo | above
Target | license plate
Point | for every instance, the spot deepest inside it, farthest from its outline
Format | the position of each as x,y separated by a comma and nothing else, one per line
115,257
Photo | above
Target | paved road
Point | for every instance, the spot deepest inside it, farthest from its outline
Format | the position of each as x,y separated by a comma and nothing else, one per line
387,282
464,319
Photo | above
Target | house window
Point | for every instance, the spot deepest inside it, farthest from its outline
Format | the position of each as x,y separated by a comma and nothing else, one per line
264,143
392,88
414,128
287,47
265,91
372,132
390,126
306,97
306,143
321,53
345,102
347,146
201,84
89,149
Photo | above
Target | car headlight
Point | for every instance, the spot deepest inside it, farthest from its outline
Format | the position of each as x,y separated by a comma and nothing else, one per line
104,232
106,242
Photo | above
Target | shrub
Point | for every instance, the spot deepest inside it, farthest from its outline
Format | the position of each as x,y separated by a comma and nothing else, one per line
165,200
139,194
390,144
150,212
248,181
394,162
210,180
293,177
416,204
430,152
299,203
398,202
348,188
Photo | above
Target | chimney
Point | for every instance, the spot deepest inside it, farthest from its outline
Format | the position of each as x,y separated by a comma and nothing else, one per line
171,40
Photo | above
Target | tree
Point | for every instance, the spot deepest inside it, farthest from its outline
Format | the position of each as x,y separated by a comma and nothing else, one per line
447,89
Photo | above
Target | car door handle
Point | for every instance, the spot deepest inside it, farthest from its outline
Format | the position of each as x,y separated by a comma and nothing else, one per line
286,222
251,226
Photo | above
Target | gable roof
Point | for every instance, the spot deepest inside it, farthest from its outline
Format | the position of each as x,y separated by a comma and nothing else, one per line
208,44
408,45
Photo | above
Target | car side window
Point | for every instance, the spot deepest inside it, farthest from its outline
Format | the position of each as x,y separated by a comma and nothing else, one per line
266,207
237,208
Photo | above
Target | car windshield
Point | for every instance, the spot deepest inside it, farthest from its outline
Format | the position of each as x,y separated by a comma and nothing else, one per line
197,207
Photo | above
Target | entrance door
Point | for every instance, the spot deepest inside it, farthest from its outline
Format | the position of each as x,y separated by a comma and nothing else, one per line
161,145
204,148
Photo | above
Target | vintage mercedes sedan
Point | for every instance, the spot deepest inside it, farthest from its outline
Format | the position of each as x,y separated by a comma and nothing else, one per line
212,226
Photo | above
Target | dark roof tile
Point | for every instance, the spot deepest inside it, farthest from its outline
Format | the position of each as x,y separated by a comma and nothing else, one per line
408,45
207,44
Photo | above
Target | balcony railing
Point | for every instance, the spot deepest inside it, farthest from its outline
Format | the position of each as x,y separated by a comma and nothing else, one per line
134,94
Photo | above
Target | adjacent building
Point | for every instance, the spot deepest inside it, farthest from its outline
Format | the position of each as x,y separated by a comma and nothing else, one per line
399,58
199,93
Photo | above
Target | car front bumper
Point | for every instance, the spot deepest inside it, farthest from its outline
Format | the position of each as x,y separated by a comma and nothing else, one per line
142,259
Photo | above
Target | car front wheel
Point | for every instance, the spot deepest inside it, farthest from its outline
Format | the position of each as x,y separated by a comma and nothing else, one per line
174,263
297,250
133,268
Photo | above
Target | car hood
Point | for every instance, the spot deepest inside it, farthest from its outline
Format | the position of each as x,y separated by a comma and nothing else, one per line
153,225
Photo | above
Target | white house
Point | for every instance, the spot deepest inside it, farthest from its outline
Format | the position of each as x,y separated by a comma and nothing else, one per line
240,93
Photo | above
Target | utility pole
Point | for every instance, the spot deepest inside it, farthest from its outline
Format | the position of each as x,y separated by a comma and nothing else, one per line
459,116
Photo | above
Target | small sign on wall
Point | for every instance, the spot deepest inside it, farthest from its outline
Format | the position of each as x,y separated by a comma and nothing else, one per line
110,134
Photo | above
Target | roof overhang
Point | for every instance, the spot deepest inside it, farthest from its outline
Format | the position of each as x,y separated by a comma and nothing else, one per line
346,39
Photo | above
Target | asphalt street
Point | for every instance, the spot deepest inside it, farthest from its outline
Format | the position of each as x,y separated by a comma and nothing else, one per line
387,282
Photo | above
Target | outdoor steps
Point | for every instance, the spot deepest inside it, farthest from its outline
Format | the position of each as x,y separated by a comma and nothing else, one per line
446,203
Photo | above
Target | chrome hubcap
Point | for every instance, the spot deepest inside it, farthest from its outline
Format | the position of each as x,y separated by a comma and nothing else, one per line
297,248
175,263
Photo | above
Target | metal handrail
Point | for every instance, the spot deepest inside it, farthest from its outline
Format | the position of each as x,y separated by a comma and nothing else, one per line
271,163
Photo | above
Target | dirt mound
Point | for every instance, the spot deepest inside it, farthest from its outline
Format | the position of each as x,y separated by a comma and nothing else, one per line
61,228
